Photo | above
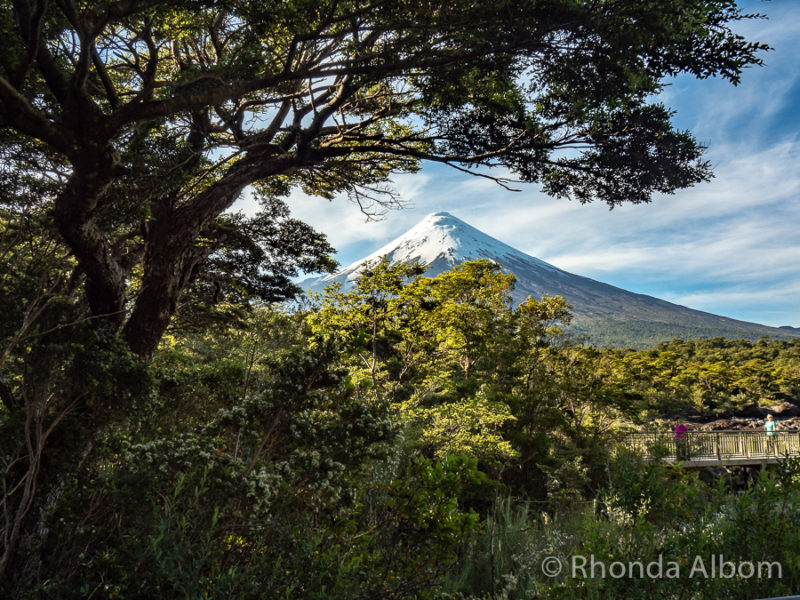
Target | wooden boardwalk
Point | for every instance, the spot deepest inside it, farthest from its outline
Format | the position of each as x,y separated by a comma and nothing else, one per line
716,448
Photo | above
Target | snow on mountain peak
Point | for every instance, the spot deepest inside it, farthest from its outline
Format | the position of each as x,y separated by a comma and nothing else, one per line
617,316
442,239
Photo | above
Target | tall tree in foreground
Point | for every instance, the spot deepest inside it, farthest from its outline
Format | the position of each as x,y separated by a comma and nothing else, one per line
153,117
129,128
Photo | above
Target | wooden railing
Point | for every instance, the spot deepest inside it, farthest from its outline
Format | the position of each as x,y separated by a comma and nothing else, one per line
715,445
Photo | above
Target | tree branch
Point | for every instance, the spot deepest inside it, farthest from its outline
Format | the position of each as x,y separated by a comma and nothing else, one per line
17,111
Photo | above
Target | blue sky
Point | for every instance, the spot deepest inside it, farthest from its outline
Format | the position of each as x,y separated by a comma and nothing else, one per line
731,246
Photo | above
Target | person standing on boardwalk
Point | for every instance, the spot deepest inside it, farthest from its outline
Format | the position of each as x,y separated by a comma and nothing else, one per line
769,427
681,441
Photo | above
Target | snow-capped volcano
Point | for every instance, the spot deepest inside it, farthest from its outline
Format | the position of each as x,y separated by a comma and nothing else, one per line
606,314
441,241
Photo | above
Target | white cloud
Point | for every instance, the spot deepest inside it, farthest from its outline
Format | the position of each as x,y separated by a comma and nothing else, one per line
736,297
740,227
729,246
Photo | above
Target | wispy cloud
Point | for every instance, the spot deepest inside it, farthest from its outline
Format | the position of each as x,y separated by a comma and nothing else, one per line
741,227
730,246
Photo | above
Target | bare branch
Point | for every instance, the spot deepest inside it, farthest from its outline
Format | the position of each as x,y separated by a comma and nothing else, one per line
108,85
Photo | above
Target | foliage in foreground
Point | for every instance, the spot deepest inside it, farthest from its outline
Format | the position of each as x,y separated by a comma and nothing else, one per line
655,532
371,447
252,474
128,129
134,126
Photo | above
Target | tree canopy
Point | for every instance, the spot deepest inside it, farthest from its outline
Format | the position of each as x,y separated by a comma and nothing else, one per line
135,125
362,448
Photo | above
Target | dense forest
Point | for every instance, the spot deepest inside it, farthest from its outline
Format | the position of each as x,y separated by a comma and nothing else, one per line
169,429
412,437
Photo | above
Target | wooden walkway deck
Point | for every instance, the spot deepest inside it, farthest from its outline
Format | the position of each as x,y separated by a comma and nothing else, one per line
716,448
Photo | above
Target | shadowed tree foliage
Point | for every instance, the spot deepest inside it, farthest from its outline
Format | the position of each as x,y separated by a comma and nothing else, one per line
151,118
128,129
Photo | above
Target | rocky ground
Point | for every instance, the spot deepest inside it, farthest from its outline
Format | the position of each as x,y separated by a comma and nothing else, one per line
786,415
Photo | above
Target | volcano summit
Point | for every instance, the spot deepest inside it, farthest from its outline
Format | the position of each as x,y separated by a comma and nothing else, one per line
607,315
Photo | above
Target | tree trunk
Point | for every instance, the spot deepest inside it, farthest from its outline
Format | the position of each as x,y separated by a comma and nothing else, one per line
74,216
173,252
168,268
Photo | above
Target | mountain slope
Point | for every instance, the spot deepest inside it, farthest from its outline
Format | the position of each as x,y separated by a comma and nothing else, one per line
608,315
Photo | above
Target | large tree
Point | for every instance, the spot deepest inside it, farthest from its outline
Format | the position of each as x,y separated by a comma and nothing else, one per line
152,117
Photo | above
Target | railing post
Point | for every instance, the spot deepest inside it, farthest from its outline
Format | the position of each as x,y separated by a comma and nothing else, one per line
719,449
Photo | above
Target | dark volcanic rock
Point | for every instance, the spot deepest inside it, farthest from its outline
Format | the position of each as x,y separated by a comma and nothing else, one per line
731,424
752,412
741,424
